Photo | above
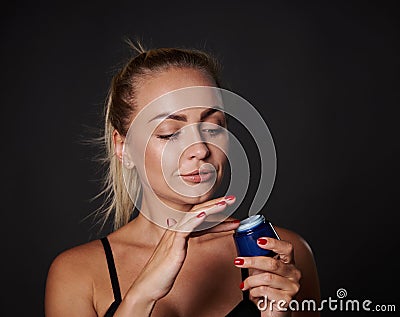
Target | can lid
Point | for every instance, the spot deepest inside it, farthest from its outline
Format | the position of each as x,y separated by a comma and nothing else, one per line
250,222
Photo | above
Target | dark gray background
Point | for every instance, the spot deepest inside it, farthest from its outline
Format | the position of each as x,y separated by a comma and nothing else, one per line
324,76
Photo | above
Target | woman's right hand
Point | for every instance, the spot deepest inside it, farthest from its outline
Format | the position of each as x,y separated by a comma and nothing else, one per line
158,276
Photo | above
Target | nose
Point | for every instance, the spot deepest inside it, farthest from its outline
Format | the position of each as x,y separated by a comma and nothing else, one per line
198,150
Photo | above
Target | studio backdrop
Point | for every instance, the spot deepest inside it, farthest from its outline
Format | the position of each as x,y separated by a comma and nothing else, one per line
323,76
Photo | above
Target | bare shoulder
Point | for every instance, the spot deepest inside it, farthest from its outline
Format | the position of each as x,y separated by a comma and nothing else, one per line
303,254
79,260
299,243
305,262
70,280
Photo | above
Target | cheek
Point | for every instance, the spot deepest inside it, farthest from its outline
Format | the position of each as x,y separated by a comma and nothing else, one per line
153,157
160,159
218,154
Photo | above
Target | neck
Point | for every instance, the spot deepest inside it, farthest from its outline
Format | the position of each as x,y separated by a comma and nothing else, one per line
144,229
152,220
159,211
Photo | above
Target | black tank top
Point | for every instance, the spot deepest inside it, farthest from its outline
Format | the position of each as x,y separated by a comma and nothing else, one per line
245,308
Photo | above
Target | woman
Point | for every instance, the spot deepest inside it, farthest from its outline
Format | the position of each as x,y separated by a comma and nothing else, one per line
144,268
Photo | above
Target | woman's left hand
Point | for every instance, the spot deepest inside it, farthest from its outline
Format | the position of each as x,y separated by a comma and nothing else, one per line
273,281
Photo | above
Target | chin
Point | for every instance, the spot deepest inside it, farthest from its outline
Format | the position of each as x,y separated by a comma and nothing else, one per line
191,197
198,199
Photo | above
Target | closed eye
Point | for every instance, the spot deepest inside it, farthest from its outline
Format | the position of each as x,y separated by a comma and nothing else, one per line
169,137
212,132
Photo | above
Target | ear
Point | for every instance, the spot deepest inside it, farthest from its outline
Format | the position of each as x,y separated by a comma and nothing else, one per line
118,140
124,158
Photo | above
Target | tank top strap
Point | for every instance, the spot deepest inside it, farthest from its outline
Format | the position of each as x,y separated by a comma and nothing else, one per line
111,269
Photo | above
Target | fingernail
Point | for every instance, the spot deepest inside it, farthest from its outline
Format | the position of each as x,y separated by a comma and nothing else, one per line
220,203
200,215
230,197
241,285
234,221
171,222
262,241
239,261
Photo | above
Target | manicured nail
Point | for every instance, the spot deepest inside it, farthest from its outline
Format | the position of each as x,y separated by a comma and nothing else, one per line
234,221
171,222
230,197
200,215
221,203
239,261
262,241
241,285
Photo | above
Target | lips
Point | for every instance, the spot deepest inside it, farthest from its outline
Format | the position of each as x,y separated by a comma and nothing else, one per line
198,176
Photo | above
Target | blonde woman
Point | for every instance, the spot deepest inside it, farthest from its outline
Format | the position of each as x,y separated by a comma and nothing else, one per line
147,269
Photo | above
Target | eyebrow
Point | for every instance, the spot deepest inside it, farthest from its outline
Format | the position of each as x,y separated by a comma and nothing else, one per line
177,117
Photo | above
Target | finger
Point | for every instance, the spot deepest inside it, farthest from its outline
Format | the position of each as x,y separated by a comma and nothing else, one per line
230,222
267,264
229,200
222,227
284,249
271,280
192,220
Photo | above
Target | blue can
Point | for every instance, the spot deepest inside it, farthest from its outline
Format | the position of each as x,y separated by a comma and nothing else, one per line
249,230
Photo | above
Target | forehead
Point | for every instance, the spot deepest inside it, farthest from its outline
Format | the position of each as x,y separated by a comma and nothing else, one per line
175,91
196,102
162,83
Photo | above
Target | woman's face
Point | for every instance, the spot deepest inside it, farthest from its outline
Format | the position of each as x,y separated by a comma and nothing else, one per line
178,150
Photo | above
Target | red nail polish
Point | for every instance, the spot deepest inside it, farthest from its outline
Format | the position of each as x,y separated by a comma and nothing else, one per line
230,197
241,285
170,222
200,215
236,221
262,241
220,203
238,261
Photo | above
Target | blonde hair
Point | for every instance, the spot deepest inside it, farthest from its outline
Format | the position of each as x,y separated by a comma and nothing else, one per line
120,108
